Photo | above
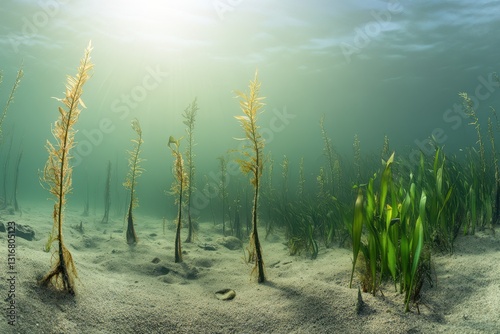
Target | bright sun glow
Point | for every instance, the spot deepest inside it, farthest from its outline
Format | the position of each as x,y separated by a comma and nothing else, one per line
154,20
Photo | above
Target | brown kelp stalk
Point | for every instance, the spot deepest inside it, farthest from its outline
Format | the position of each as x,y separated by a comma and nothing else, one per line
180,183
19,76
268,194
223,190
189,119
5,174
107,194
86,204
135,170
284,174
330,154
16,182
253,163
236,227
57,172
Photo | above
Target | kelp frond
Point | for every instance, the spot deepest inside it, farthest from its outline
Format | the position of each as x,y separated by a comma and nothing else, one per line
57,172
252,163
250,104
135,170
134,162
180,183
19,76
189,116
181,177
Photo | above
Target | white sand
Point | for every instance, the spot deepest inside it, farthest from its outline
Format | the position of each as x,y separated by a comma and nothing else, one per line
120,289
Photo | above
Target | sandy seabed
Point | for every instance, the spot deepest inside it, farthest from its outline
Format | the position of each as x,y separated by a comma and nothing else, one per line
123,289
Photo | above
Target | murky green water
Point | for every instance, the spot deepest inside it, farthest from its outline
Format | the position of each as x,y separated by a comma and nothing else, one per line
373,69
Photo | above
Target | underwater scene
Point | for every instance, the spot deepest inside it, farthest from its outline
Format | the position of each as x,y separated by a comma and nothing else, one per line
236,166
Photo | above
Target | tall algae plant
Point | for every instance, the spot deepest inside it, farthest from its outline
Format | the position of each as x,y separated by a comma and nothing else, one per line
223,190
5,176
107,195
3,115
252,163
135,170
181,182
189,119
57,172
15,203
20,74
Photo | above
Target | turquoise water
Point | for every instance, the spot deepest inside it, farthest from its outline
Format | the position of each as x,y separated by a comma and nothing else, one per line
372,68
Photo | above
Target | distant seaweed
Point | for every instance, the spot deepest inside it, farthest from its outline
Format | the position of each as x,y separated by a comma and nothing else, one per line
10,100
107,194
189,120
181,182
135,170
